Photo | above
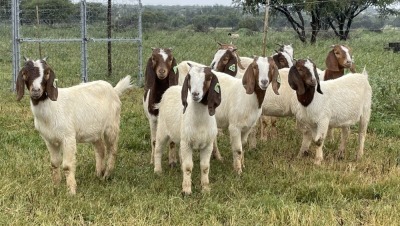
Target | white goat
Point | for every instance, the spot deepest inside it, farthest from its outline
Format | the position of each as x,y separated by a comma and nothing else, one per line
86,113
241,103
195,128
341,102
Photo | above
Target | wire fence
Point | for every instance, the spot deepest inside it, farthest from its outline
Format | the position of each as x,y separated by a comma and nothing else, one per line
87,40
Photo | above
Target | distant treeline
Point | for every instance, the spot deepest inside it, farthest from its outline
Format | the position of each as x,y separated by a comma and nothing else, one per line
198,18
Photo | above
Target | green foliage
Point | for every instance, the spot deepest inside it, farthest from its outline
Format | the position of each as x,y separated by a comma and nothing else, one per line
276,188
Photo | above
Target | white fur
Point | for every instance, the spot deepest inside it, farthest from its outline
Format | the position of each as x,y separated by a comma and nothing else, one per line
194,130
238,112
86,113
344,102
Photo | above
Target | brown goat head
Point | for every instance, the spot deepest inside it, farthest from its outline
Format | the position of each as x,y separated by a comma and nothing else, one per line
302,75
203,86
39,79
339,57
161,62
225,60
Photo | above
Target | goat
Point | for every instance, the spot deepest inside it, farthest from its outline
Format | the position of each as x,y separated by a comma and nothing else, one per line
227,60
159,76
284,56
241,103
341,102
195,128
86,113
337,60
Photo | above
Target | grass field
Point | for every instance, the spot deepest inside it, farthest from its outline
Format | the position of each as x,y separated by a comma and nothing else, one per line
275,189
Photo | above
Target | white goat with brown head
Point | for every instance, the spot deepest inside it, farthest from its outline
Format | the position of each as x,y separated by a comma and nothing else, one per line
187,117
340,102
86,113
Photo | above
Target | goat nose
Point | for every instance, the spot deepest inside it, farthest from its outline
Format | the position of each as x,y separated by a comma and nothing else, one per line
35,89
195,94
162,71
264,82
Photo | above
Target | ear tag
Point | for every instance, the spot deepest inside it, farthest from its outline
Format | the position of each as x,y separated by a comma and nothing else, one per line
279,79
232,68
175,69
55,83
217,88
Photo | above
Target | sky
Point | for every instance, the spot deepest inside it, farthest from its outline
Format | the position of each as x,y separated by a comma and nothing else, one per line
187,2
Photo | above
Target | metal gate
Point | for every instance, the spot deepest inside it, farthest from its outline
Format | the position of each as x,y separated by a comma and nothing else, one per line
88,34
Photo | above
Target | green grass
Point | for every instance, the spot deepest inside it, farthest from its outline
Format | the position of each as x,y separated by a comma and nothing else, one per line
275,188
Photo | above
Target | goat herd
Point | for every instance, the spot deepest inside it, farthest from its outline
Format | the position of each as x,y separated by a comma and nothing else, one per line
187,103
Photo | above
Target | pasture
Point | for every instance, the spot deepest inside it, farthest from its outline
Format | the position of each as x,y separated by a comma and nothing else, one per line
275,188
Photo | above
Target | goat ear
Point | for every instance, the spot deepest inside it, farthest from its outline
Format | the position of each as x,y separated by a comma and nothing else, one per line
184,92
317,77
51,86
274,76
248,80
214,95
149,75
230,67
295,81
173,74
331,62
239,62
20,84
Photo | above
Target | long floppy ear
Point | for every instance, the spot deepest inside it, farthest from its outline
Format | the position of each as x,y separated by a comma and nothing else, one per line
214,95
51,86
331,62
273,76
20,84
184,92
173,74
317,77
239,61
149,75
230,67
295,81
248,80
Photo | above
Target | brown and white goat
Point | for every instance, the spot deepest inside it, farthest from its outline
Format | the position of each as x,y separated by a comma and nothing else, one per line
86,113
284,56
160,74
339,58
340,102
187,117
227,60
241,103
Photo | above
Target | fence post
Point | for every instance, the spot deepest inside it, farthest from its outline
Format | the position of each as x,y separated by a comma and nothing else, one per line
140,80
15,41
84,42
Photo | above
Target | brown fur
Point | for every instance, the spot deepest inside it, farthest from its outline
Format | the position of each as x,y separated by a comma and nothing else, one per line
300,79
212,97
250,79
28,74
159,76
336,63
280,60
232,47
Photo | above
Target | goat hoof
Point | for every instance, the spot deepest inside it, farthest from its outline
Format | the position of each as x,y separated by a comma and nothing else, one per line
318,162
206,189
186,193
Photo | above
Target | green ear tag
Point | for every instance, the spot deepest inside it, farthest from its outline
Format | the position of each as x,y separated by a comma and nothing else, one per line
175,69
55,83
217,88
232,67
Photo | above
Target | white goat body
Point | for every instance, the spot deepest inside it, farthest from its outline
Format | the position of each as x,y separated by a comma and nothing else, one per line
195,128
86,113
344,102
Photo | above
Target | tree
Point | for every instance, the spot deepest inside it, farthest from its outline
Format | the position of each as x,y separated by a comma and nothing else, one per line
338,14
57,11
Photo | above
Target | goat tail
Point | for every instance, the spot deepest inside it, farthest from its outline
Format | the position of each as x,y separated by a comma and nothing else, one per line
123,85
